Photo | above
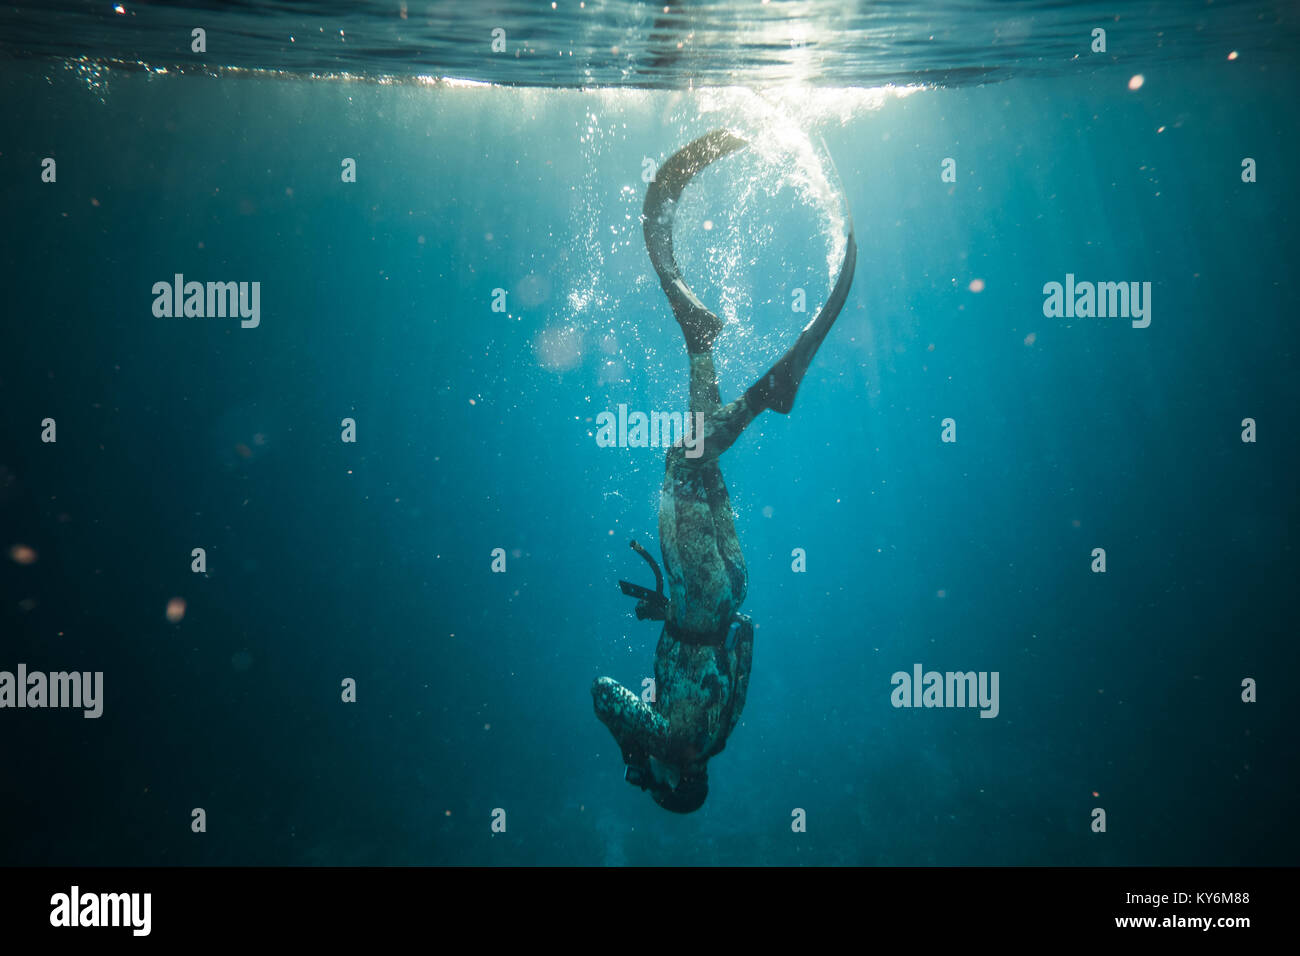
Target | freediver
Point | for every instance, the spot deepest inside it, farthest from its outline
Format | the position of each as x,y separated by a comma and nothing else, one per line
702,661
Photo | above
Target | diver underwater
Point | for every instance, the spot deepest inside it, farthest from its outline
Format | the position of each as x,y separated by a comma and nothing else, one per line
702,661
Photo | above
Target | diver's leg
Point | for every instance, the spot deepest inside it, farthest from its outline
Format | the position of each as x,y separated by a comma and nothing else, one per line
704,568
726,424
702,557
704,384
639,731
721,424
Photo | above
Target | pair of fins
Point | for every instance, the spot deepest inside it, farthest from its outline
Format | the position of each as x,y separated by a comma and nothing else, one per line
776,389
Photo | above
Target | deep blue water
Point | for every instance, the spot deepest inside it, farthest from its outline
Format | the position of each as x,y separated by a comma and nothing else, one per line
475,431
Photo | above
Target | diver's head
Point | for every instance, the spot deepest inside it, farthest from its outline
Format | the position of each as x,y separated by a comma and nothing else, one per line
687,797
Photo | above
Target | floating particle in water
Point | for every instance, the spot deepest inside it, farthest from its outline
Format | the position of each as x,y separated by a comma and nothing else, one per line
976,285
1076,523
244,434
1232,55
533,290
241,660
1135,82
176,609
1096,794
768,511
22,554
119,9
614,372
1031,338
941,594
708,225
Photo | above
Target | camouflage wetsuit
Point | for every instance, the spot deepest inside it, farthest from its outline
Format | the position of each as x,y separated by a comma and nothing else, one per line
702,661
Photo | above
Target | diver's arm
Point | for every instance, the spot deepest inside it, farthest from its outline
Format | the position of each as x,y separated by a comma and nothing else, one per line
640,731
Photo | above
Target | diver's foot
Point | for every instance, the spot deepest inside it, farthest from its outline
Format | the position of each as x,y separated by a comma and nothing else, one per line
699,325
776,389
700,331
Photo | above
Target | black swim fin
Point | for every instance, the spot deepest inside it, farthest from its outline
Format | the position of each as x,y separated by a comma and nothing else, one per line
666,188
776,389
699,324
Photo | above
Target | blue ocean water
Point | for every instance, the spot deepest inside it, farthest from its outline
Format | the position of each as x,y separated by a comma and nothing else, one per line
475,430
